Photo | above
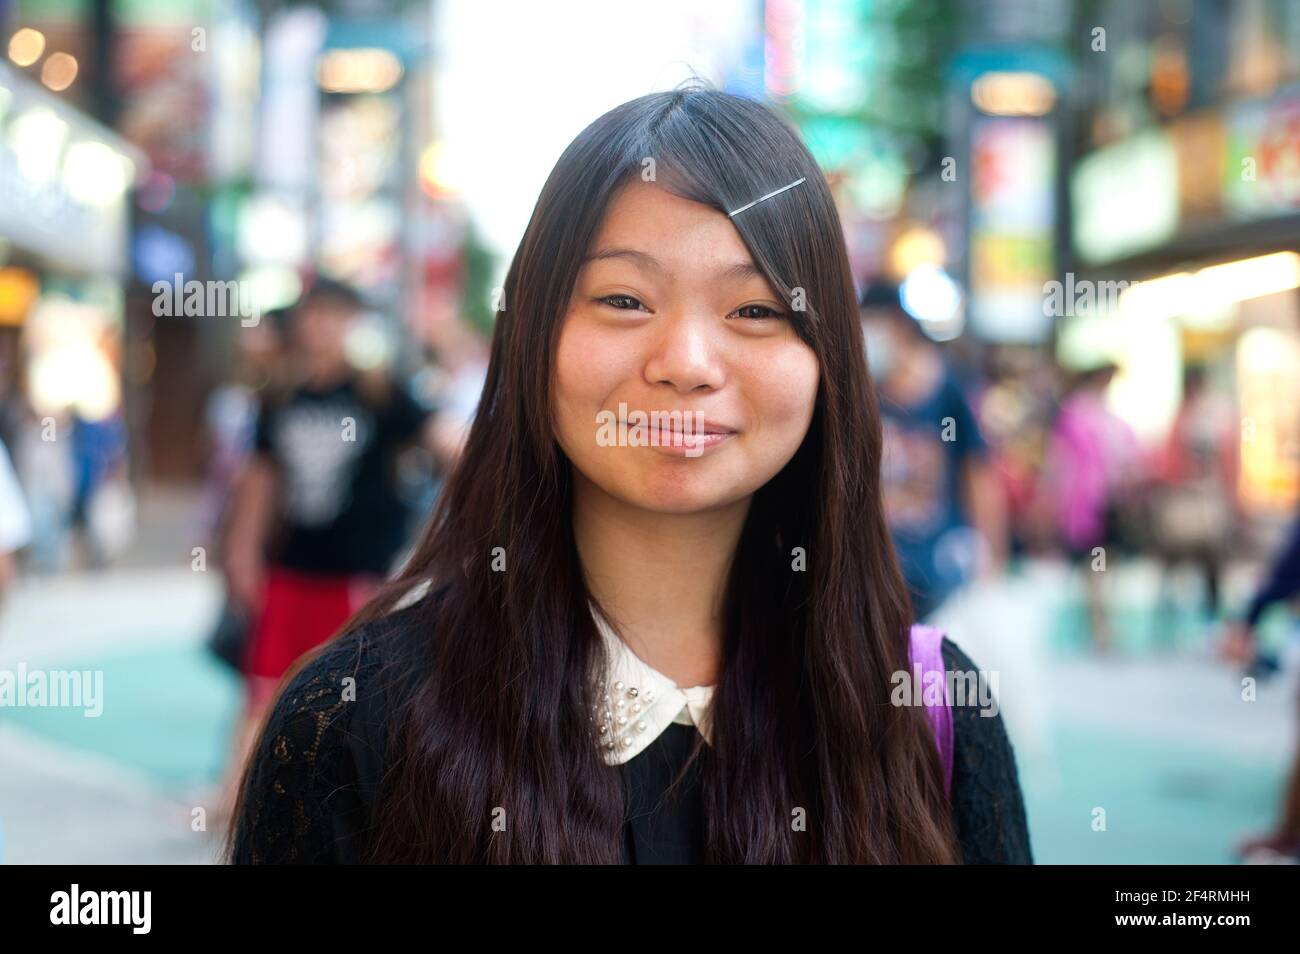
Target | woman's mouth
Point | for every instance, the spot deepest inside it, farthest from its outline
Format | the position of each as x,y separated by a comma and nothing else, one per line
690,443
677,433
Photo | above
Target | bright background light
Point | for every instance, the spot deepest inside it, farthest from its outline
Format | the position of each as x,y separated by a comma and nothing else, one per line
37,137
59,71
95,173
508,103
1215,286
1013,94
358,71
26,46
930,295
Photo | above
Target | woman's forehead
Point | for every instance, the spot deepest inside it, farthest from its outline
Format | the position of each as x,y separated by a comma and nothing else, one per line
653,229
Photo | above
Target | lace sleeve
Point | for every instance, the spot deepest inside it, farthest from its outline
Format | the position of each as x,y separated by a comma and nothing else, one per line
307,791
988,806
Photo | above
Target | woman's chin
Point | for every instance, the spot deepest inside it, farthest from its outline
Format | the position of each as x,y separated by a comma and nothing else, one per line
647,479
681,493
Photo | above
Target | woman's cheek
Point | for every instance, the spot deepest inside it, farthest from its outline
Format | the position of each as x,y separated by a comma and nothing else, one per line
788,387
586,374
568,396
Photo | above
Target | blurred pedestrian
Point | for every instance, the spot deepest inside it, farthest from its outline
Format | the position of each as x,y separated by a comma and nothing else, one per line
1092,465
316,521
463,360
15,521
946,509
1240,646
231,418
230,413
102,503
46,473
1194,504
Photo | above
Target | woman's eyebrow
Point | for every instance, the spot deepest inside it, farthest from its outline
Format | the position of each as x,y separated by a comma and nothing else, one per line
643,259
649,262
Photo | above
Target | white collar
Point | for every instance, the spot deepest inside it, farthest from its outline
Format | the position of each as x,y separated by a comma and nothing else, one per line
638,702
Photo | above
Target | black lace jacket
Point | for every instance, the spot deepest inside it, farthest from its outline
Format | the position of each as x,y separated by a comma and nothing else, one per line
317,768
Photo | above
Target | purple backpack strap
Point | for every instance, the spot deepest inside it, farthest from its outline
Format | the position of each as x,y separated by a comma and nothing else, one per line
924,650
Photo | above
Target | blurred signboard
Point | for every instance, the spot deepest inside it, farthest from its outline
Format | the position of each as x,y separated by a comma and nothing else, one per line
1236,164
1125,198
1262,168
64,181
1012,219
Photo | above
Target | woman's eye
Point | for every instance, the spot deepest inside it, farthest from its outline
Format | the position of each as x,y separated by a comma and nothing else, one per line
758,312
621,302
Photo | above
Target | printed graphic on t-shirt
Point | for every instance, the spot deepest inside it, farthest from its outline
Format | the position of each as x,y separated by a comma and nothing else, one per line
319,446
915,479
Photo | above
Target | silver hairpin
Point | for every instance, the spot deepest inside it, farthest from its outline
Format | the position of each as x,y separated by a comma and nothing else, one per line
763,198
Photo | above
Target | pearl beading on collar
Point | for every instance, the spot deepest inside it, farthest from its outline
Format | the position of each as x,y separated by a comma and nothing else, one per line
619,717
635,702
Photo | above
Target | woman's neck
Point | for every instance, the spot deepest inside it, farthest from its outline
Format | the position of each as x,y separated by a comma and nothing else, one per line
661,576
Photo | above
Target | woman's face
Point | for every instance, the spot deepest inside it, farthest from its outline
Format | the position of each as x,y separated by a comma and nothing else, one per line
670,314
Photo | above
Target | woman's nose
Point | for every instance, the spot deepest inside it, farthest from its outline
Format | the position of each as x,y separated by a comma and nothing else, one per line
686,354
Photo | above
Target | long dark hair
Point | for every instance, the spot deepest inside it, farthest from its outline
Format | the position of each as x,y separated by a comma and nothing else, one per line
802,722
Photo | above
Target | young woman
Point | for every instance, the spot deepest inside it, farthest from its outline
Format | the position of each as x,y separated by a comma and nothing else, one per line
683,649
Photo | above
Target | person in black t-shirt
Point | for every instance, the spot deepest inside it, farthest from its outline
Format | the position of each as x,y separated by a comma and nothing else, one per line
332,447
946,512
317,520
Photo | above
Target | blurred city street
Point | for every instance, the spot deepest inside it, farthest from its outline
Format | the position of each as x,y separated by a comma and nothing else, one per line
1042,256
120,787
1182,767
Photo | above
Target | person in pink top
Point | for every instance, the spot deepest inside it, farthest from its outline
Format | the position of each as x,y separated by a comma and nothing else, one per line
1092,462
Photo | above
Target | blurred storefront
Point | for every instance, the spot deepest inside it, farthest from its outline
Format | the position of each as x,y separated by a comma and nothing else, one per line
1185,223
1185,235
150,69
65,253
344,179
847,73
188,109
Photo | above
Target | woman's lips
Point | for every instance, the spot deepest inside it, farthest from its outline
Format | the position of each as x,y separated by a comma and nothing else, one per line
684,439
692,445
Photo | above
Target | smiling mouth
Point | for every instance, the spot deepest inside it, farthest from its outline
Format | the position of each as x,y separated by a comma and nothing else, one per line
674,432
677,441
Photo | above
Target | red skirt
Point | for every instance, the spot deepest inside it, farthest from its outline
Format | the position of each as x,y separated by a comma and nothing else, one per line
299,612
